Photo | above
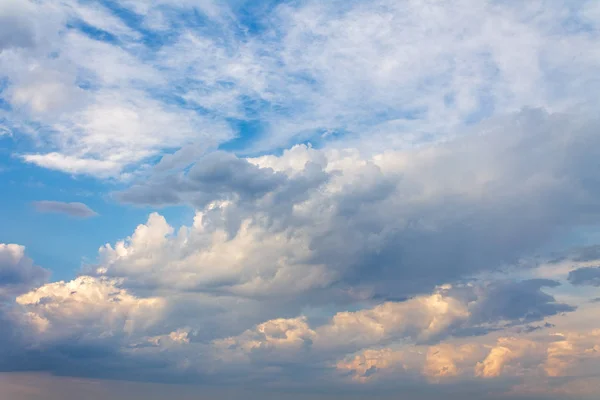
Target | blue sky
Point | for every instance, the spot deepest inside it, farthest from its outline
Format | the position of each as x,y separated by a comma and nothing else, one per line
304,198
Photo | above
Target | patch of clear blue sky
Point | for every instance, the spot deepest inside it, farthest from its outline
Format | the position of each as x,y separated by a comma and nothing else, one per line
93,32
59,242
250,20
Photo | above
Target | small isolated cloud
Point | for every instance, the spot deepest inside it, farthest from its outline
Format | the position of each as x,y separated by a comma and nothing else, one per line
74,209
585,276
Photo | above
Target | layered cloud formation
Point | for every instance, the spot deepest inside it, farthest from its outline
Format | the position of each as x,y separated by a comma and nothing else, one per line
321,265
387,196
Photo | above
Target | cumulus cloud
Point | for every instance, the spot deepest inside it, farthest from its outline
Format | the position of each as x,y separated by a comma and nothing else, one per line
422,338
474,204
75,209
294,263
452,142
506,351
531,357
421,321
89,306
18,273
253,263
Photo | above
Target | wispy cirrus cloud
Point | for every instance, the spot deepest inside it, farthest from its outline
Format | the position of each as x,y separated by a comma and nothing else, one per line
425,72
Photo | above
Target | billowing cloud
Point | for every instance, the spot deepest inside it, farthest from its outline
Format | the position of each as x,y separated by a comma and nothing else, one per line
531,357
87,305
473,204
380,191
18,273
74,209
421,320
448,335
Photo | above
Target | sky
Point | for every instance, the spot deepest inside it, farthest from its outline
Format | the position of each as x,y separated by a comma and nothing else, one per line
388,199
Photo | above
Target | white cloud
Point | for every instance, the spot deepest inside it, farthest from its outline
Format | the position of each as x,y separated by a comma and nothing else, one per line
504,354
446,361
401,72
204,257
88,307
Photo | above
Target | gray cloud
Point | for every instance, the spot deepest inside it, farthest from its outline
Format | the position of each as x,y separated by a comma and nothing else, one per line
17,271
585,276
74,209
473,204
518,302
223,176
16,28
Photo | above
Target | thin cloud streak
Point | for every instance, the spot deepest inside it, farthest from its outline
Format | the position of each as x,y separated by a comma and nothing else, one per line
74,209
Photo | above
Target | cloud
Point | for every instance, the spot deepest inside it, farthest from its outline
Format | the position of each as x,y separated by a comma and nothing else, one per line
79,210
295,77
101,326
220,176
292,262
521,302
452,143
87,307
386,342
505,353
18,275
17,271
16,29
585,276
471,205
529,357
